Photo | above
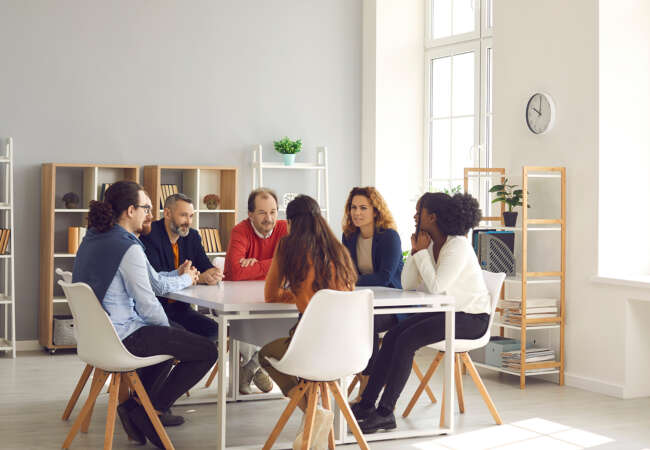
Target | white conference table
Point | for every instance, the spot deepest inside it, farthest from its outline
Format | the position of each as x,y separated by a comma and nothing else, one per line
240,305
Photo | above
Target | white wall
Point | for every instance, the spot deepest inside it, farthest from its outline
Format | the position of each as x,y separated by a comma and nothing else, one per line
393,105
624,128
173,82
552,46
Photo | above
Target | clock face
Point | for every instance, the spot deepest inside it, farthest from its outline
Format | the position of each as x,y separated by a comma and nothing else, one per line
540,113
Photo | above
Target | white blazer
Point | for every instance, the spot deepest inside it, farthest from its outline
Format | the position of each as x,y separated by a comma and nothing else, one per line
456,273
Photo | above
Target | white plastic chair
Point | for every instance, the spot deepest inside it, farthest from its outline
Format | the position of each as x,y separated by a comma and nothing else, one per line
493,281
333,340
99,346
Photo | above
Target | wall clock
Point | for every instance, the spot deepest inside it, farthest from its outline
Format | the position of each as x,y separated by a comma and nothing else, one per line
540,113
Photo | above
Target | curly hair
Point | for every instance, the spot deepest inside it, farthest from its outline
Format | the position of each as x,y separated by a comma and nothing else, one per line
311,239
104,215
455,215
383,217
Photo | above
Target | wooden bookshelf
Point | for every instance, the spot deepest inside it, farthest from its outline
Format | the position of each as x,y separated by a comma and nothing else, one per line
196,182
85,180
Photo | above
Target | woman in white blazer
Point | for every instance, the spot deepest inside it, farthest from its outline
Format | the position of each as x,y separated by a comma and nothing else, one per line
442,260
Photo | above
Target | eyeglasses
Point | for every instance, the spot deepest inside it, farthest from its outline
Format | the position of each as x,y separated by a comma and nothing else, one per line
147,208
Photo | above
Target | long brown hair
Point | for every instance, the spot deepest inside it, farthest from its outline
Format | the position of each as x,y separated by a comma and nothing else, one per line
383,217
311,240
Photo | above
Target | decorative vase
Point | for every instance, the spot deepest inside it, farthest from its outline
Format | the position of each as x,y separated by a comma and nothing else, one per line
510,218
289,158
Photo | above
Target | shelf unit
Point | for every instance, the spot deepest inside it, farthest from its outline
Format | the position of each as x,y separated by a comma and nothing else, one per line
7,293
526,277
56,179
196,182
320,166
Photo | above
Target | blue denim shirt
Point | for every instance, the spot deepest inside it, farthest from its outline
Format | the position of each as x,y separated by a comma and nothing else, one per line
164,282
130,300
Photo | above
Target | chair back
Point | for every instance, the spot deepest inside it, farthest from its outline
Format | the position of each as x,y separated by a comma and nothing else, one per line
333,338
493,282
97,342
65,275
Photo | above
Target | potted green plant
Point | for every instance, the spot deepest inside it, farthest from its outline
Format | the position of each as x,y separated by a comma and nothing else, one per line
71,200
288,149
506,193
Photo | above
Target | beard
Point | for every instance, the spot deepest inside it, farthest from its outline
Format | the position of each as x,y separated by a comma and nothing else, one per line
181,230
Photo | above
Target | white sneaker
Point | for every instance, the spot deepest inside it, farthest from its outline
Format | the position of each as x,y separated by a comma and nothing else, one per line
320,431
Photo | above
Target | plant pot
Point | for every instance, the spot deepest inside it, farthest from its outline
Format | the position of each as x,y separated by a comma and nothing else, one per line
510,218
289,158
71,205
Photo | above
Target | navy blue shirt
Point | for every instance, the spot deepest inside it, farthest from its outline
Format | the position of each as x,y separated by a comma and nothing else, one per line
387,261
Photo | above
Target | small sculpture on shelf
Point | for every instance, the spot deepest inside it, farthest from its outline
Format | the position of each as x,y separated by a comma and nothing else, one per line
71,200
212,201
288,149
506,193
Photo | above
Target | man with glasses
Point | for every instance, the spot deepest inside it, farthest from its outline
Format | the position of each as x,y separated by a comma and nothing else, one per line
250,251
171,241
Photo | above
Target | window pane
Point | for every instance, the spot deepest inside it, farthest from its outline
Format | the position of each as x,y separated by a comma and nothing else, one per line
440,145
490,19
441,20
489,80
463,84
463,17
462,141
441,87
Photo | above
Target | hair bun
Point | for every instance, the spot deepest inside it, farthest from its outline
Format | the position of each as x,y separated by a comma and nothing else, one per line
100,216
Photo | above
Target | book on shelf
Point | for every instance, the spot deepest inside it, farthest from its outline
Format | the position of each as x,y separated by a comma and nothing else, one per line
530,303
103,190
531,310
5,235
210,239
75,236
512,359
165,191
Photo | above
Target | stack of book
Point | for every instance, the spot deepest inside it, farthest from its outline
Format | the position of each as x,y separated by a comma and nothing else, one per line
165,191
210,240
512,359
536,308
5,234
75,236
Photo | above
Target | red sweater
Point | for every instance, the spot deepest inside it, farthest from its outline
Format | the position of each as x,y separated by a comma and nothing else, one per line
245,243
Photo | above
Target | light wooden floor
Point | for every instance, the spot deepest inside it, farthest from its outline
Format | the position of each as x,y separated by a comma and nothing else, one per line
35,387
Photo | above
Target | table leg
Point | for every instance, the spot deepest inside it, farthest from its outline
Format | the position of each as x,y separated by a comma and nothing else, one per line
222,384
450,333
340,424
234,369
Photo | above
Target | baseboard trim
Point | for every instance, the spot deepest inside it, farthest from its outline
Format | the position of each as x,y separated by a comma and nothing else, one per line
28,346
594,385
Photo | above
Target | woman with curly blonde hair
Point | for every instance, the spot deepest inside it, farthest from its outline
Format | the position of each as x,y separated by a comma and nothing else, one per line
370,235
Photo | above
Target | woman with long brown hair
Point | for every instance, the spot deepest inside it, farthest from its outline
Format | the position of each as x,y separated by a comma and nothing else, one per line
370,235
308,259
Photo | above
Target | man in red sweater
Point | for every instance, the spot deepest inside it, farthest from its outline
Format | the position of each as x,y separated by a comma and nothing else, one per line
250,251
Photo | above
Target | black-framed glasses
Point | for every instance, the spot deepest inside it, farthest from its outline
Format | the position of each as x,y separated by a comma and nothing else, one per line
147,208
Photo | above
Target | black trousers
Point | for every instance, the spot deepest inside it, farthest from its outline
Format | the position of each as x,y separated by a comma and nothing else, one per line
191,320
196,355
382,322
395,358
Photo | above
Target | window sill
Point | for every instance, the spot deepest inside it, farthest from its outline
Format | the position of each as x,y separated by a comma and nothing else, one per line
638,281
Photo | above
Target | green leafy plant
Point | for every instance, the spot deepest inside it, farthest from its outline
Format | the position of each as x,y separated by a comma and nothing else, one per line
405,255
451,191
287,147
506,193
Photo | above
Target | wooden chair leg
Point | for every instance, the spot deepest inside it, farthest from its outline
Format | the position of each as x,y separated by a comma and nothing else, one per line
83,379
459,385
98,381
112,411
354,382
349,417
325,399
310,414
136,385
423,383
298,393
86,424
481,387
442,406
427,389
213,374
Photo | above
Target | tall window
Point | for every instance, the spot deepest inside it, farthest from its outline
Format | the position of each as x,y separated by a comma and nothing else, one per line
458,92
